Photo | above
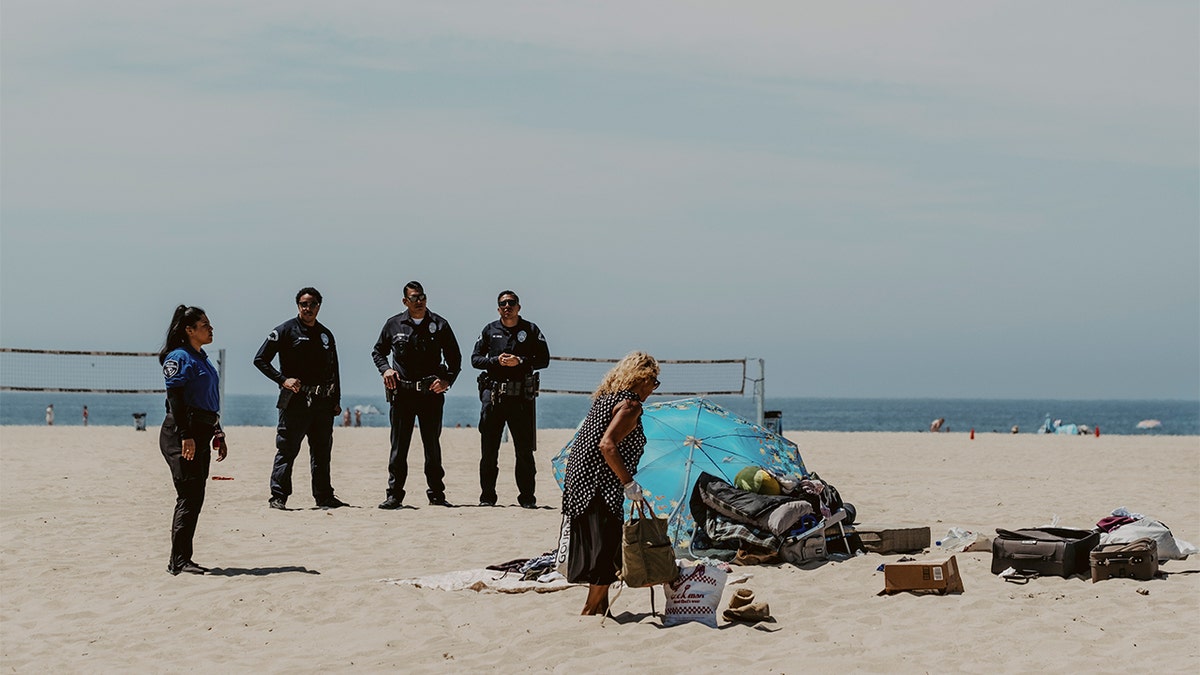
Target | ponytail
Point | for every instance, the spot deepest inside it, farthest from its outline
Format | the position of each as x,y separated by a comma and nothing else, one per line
184,317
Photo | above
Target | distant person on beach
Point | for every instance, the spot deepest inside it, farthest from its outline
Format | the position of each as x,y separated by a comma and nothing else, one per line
50,415
358,418
936,425
346,417
509,351
310,397
85,416
191,423
425,361
599,475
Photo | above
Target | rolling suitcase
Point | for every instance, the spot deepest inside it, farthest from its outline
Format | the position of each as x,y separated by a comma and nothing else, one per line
1132,560
1049,551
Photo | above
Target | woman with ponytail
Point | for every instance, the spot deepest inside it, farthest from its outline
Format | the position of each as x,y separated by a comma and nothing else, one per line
192,422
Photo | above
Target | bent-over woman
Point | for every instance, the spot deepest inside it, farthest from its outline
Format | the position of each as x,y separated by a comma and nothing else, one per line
193,404
599,475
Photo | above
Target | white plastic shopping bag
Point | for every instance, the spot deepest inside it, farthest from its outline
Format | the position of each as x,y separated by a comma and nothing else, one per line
695,595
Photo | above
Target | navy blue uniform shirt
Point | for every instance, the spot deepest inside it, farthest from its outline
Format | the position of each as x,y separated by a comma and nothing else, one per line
418,350
524,340
307,353
191,370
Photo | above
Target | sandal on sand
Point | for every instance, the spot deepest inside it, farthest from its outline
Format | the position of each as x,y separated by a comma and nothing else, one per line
1021,577
742,607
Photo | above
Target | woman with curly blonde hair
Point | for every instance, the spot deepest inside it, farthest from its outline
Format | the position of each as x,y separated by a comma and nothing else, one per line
599,475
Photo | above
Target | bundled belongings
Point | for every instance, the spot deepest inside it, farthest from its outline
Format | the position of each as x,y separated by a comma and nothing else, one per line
777,514
730,519
1053,551
1134,560
1126,531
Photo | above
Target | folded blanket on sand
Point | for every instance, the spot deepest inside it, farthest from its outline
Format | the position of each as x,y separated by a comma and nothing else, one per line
483,581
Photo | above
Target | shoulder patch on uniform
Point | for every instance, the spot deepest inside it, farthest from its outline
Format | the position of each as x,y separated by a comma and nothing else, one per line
274,336
170,368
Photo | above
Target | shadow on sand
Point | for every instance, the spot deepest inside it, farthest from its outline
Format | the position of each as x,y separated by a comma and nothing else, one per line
258,571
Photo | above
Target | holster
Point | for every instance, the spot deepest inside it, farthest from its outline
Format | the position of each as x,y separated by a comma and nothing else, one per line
285,397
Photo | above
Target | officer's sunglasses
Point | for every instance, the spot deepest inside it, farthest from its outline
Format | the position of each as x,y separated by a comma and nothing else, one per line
507,303
417,297
309,305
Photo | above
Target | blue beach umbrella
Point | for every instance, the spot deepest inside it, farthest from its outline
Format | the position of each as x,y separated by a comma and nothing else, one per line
691,436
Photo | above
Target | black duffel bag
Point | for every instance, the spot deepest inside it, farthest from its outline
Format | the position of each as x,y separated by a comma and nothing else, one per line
1049,551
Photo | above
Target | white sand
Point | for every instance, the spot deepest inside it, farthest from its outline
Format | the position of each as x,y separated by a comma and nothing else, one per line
86,512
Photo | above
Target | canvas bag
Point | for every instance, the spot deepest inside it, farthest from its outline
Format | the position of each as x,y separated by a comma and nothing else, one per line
647,557
564,546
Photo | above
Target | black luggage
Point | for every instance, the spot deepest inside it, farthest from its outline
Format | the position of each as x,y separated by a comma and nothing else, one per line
1131,560
1049,551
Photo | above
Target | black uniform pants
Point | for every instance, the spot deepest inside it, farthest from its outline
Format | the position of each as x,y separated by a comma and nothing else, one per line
296,422
520,414
408,406
190,477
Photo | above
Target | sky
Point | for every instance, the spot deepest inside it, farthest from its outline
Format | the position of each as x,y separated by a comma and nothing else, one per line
880,199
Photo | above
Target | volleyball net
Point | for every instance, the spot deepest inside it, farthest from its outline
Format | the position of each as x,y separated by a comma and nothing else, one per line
103,372
578,375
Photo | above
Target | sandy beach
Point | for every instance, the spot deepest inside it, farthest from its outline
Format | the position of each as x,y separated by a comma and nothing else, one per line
85,513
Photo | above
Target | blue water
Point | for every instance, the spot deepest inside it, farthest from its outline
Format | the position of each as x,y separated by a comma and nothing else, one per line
1179,418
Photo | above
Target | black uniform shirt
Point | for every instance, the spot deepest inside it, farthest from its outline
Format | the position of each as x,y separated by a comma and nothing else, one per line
418,350
524,340
306,353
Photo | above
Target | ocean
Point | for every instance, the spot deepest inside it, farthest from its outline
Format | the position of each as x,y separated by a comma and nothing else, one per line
556,411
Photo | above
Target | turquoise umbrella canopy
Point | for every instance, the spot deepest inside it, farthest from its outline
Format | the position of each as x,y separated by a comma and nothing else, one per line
691,436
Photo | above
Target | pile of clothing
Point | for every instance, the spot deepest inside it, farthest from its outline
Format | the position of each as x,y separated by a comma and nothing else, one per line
749,520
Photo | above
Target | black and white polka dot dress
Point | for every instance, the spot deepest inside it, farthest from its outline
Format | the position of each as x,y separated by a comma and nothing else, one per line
587,472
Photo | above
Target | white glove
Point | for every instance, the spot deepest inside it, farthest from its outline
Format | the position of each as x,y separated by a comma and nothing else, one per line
633,492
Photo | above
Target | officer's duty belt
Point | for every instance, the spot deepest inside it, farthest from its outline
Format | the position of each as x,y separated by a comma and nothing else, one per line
510,388
317,389
415,385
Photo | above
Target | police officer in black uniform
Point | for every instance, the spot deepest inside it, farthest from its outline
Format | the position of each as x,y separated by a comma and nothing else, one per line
509,352
425,361
310,394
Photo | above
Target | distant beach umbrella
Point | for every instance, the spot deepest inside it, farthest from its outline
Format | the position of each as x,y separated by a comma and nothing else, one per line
1149,424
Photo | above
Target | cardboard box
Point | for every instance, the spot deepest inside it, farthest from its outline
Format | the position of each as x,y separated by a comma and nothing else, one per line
938,576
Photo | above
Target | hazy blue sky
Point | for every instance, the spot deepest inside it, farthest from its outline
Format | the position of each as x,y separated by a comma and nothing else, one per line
948,199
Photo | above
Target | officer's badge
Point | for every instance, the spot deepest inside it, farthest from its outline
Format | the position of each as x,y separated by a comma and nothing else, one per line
432,328
521,336
274,336
170,368
325,340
